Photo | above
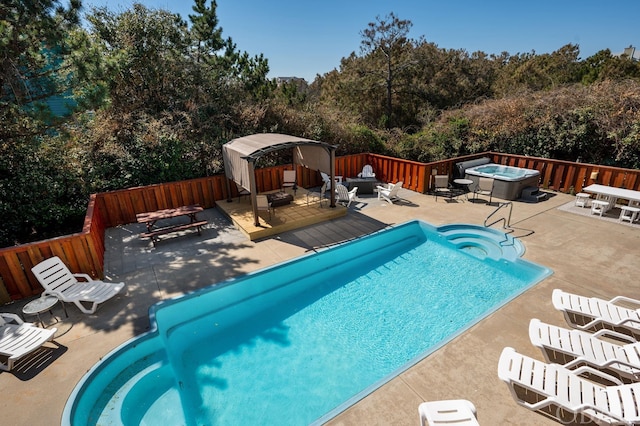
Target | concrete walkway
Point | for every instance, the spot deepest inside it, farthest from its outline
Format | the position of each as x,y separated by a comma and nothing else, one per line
589,256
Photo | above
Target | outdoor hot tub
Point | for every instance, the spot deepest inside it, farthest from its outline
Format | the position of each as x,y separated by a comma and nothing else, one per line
508,181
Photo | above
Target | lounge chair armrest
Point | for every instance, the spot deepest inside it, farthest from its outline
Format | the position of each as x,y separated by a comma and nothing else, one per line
9,318
538,405
625,299
85,277
594,371
614,334
614,361
596,321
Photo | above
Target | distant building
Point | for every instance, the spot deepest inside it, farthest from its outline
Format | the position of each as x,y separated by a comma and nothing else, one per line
297,80
301,84
629,52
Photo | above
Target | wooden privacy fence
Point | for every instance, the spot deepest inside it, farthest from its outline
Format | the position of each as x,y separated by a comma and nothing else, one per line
84,251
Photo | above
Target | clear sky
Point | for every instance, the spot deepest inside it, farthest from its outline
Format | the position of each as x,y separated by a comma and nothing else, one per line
303,38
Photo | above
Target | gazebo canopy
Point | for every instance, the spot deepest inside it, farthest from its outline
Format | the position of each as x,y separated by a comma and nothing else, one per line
241,154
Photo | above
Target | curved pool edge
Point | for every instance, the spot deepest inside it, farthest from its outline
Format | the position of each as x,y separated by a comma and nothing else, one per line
149,343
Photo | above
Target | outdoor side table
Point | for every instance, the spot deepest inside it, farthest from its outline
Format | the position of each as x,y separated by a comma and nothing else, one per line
41,304
464,185
278,199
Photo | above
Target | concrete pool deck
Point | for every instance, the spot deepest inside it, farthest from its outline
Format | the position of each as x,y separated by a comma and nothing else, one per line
588,255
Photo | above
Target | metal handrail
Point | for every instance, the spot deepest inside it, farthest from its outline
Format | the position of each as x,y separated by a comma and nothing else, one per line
506,222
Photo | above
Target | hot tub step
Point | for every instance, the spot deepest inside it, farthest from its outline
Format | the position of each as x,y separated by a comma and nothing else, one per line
532,194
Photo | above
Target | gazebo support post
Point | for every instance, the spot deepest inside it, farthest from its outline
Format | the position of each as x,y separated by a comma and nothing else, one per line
254,191
228,190
332,169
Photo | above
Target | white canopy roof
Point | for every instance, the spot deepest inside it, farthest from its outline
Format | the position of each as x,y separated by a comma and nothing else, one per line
238,152
241,154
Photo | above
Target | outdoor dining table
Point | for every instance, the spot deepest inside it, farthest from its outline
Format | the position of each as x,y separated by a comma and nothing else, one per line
150,219
610,191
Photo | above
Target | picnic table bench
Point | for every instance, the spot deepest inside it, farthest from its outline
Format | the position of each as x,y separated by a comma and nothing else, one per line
151,218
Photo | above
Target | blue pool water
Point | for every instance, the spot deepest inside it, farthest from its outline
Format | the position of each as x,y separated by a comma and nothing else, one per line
299,342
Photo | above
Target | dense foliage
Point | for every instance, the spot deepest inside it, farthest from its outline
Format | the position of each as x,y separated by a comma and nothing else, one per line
149,97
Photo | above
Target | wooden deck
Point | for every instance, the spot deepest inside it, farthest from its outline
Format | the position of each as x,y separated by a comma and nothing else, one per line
298,214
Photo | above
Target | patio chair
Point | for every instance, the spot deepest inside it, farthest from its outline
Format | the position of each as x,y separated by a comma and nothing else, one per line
572,348
592,313
389,194
263,204
320,195
448,412
553,388
241,191
484,187
367,172
18,339
289,180
344,195
57,280
442,186
327,180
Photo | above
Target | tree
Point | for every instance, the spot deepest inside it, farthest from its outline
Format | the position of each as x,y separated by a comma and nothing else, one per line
387,38
34,47
539,72
604,66
40,186
206,34
145,50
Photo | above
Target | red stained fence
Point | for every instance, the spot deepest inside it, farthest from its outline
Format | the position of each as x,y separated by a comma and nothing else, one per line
84,251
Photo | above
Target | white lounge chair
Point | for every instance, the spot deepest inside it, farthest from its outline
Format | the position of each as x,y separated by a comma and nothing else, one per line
18,338
449,412
389,194
344,195
592,313
573,348
367,172
57,280
540,386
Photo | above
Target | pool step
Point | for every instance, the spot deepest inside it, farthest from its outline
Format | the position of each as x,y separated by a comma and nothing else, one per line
478,247
496,244
151,387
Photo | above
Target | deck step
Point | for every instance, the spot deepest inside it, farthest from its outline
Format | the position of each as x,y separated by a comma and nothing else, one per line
532,194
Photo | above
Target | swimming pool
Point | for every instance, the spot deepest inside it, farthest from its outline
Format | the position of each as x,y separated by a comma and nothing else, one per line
508,181
299,342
